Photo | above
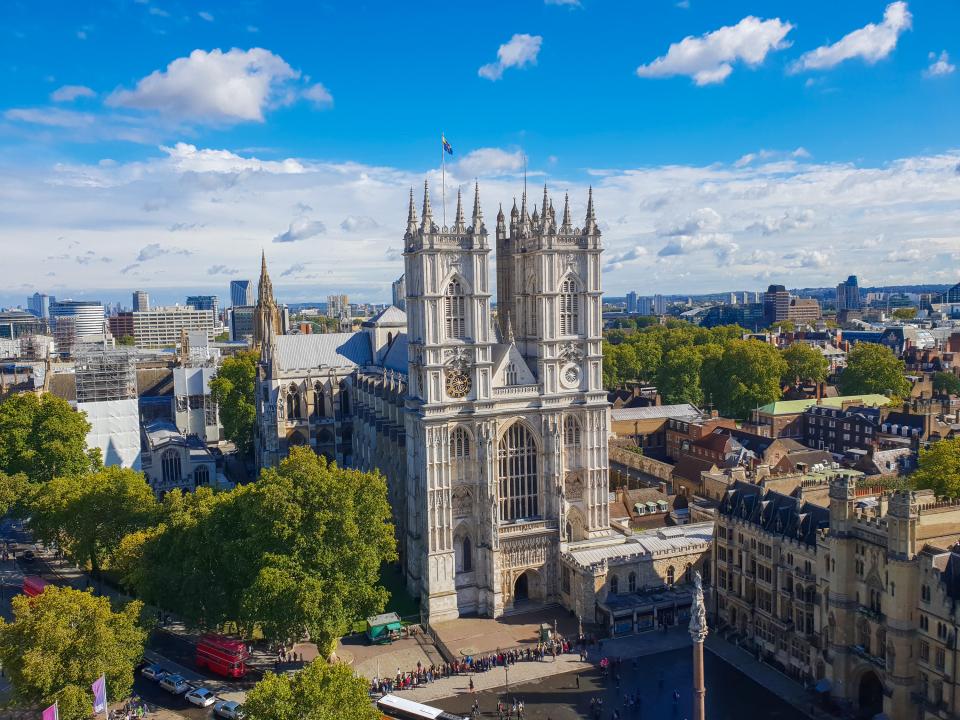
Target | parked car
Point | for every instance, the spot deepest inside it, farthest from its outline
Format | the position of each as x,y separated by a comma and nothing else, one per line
154,672
28,556
228,709
201,697
176,684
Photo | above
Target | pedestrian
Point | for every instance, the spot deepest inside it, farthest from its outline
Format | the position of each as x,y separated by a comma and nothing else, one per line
471,685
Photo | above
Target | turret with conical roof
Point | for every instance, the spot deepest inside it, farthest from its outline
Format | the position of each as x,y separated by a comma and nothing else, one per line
459,225
477,212
426,225
411,215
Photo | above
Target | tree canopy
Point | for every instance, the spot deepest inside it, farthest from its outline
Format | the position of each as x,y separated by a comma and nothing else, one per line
873,368
946,383
678,379
61,641
746,375
938,468
233,389
318,692
88,515
804,363
43,437
297,552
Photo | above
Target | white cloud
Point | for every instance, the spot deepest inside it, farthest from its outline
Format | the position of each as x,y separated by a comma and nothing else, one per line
872,42
294,269
50,117
221,270
204,15
216,87
158,12
904,255
861,214
569,3
155,250
939,65
488,162
358,224
301,229
709,58
521,50
69,93
318,95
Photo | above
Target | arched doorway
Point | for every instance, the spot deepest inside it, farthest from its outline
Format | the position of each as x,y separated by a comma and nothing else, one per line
870,695
527,588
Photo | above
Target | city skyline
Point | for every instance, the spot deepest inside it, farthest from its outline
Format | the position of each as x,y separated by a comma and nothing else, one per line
703,186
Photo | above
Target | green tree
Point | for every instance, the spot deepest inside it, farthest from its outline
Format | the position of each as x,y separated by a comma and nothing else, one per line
233,389
42,437
873,368
805,363
938,468
946,383
678,380
14,494
905,313
126,340
296,553
61,641
318,692
745,376
88,515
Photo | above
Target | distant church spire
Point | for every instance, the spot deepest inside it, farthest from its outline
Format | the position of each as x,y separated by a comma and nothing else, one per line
590,226
266,315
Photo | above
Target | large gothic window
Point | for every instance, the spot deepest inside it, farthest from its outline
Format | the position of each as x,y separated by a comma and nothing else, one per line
571,441
569,307
466,553
459,444
519,484
511,374
293,402
455,311
201,476
170,465
318,400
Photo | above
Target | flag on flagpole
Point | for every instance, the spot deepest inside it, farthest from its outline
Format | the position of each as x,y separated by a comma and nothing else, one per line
99,688
447,147
51,713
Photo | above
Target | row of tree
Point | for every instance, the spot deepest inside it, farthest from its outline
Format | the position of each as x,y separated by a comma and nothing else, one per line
717,367
295,555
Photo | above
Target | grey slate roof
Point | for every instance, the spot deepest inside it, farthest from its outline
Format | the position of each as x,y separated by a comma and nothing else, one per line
301,352
396,357
684,411
391,316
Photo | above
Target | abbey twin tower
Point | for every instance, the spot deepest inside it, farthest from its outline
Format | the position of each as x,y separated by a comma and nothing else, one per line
490,425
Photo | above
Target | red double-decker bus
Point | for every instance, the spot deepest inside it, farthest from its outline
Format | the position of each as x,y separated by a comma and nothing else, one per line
33,585
222,655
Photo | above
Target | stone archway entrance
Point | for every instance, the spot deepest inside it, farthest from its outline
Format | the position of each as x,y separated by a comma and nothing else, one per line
527,588
869,695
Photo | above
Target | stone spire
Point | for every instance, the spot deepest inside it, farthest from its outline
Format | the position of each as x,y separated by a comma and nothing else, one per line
266,315
477,212
567,226
514,213
590,224
411,215
546,204
500,216
265,288
458,224
427,223
536,216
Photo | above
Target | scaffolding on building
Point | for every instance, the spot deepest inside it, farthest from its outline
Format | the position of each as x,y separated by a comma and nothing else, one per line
105,374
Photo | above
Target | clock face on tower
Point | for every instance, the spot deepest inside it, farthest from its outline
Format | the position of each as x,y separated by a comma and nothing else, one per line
458,383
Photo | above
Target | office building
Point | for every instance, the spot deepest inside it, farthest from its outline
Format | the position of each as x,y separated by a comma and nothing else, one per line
205,302
241,293
659,305
76,321
163,326
399,292
848,294
631,302
16,324
645,306
776,304
339,306
121,325
39,305
240,322
141,300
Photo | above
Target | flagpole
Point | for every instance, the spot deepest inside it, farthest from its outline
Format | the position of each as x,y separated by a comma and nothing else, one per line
443,177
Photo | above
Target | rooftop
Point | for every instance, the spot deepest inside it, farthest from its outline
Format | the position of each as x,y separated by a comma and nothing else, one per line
795,407
684,411
301,352
679,539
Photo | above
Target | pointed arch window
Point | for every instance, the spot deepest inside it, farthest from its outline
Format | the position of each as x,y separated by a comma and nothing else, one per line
293,402
170,467
201,476
571,432
632,582
318,399
519,480
455,311
467,555
670,576
459,444
569,307
511,374
614,585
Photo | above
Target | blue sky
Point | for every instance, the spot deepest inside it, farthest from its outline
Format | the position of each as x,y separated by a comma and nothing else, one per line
160,144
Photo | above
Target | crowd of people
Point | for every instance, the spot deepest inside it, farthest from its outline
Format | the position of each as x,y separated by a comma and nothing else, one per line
423,675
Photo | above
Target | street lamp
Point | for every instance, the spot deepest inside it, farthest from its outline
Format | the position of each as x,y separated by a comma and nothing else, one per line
506,674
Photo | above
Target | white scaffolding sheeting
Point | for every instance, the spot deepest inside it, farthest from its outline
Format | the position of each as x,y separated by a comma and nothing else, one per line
115,429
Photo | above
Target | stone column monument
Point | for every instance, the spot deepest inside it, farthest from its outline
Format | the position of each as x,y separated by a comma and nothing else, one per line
698,633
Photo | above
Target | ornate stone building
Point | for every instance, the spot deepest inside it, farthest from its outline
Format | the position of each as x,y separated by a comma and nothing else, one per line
506,432
266,314
858,599
492,433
